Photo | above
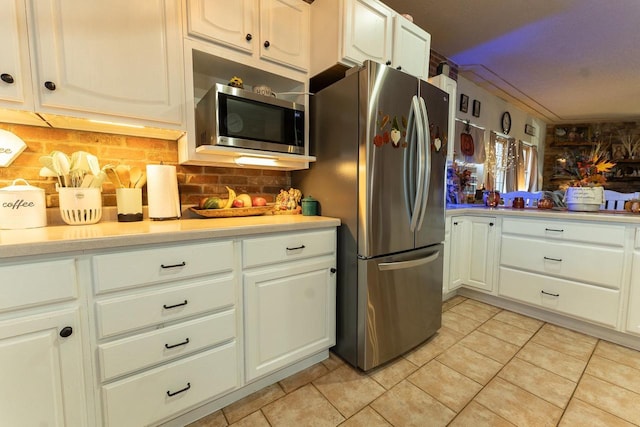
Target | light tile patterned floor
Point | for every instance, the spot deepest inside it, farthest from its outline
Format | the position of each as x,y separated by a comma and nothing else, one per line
485,367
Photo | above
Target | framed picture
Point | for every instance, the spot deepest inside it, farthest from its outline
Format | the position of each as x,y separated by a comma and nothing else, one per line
464,103
617,151
476,108
529,130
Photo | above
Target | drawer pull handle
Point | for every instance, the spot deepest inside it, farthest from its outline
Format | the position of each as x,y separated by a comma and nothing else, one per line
179,391
167,307
557,230
296,248
182,264
185,342
553,259
549,293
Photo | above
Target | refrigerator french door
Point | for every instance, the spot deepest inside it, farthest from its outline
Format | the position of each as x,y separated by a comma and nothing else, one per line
379,137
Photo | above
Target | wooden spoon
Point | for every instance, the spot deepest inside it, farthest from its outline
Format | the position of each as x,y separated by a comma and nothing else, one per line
142,181
124,175
113,177
134,174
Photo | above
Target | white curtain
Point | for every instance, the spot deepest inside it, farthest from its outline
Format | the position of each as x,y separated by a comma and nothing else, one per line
530,167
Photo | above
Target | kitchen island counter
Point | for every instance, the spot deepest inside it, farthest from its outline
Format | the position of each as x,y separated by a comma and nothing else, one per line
605,216
110,234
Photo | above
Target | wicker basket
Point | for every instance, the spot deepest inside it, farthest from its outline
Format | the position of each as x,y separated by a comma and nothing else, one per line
80,205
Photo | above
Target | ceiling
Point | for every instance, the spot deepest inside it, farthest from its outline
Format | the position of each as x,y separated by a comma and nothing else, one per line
564,61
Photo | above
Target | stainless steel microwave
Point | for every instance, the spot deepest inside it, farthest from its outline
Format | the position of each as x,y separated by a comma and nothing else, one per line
228,116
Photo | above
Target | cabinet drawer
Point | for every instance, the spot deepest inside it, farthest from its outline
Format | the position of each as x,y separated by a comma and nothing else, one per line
584,301
591,232
593,264
637,244
37,283
127,313
288,247
147,266
152,396
151,348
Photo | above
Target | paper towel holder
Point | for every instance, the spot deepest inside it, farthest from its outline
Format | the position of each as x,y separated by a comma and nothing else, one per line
163,196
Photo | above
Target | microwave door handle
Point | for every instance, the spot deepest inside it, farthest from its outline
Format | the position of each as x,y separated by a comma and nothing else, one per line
420,177
408,178
427,165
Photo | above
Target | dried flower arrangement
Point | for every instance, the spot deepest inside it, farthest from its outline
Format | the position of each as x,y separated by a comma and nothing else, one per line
589,169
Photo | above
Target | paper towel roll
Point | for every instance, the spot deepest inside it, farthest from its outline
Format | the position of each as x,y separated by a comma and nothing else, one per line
162,192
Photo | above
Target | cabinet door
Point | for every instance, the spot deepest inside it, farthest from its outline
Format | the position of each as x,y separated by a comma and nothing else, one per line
15,86
633,317
480,239
117,58
457,254
289,314
42,377
368,31
411,48
284,32
229,23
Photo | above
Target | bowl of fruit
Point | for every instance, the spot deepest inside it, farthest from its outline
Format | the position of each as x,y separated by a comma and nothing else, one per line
231,206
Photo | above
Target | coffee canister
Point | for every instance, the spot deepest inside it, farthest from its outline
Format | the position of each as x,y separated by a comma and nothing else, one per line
22,206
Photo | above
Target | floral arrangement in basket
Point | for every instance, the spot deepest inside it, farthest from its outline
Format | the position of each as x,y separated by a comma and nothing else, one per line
588,169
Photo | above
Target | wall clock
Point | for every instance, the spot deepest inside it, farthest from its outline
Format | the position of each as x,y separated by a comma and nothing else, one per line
506,122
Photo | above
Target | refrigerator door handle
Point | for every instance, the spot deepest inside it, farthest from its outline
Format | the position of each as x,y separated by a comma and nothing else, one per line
409,178
400,265
421,160
427,151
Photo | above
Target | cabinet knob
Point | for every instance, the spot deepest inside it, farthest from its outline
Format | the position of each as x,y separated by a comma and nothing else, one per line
7,78
248,37
490,224
66,331
455,223
333,269
50,85
267,44
398,67
388,63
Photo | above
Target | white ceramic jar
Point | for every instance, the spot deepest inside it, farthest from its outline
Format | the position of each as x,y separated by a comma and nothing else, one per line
22,206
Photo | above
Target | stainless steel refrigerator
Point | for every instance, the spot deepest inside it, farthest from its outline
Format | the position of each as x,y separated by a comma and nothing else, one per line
379,136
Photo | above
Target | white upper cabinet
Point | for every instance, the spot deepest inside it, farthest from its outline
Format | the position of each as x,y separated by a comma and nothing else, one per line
349,32
229,23
284,32
367,31
119,60
15,72
15,78
411,48
274,30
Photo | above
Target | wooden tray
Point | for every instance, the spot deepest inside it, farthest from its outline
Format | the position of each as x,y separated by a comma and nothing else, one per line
232,212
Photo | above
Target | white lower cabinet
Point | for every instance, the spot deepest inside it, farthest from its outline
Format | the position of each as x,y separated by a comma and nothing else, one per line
633,310
166,341
472,252
41,347
174,330
289,303
570,267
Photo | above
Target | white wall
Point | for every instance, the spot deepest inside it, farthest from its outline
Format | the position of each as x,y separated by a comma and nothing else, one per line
491,110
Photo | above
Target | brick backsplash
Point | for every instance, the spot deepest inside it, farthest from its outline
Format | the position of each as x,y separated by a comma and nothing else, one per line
194,182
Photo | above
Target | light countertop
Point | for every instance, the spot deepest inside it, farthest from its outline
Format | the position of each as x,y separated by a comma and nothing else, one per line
605,216
110,234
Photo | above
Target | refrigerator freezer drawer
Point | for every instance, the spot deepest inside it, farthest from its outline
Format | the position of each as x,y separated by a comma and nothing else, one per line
399,303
